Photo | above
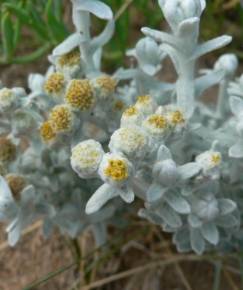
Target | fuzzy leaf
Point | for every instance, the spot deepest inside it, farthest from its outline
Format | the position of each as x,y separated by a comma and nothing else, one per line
227,221
177,202
226,206
163,153
236,151
102,195
98,8
210,233
73,41
127,195
188,170
197,241
155,192
236,105
170,216
211,45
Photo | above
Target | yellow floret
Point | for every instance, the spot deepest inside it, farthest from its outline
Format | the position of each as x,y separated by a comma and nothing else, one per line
143,99
16,183
47,132
55,83
107,83
158,121
70,59
177,118
80,95
131,111
61,118
119,105
216,159
117,170
7,150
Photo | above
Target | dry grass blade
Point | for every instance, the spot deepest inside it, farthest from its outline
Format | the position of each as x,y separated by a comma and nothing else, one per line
123,9
230,280
231,4
140,269
30,229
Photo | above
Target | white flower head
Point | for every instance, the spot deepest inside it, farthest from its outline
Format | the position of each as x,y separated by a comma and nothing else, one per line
115,169
104,87
131,116
131,141
145,105
55,85
86,158
7,99
156,125
209,161
69,64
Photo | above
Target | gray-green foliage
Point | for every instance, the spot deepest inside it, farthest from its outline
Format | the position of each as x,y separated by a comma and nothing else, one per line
88,144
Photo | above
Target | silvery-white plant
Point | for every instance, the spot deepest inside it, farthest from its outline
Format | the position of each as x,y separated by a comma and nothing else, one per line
83,146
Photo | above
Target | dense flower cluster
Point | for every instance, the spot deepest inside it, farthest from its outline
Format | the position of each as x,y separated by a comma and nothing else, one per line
82,146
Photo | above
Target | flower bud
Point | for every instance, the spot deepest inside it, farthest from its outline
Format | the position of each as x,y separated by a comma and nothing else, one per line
176,11
228,63
104,87
209,161
131,141
86,158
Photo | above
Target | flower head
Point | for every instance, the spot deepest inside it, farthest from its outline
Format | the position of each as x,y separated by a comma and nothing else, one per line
86,158
8,150
209,161
156,125
60,119
79,95
145,104
7,98
104,86
131,116
55,84
115,169
69,59
16,184
131,141
47,132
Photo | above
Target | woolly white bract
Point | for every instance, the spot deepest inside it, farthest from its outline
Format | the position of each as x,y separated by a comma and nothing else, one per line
82,146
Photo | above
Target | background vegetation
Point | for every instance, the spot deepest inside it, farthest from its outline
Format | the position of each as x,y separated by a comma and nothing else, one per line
31,28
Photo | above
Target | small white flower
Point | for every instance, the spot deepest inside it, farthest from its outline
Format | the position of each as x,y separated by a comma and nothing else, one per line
115,169
7,99
209,161
86,158
156,126
131,116
131,141
104,87
117,172
145,105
